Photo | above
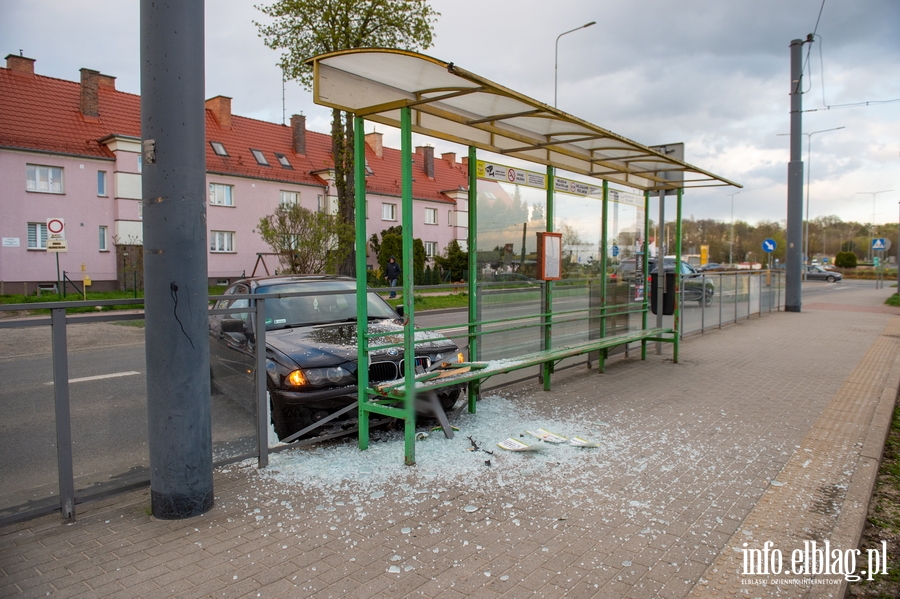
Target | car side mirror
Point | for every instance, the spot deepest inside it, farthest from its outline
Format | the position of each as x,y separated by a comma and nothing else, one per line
399,311
232,325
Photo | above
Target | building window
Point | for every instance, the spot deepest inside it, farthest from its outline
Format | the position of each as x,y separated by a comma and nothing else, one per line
431,216
450,217
37,236
101,183
218,148
141,210
283,160
102,239
140,163
221,195
260,158
221,241
44,179
290,197
430,249
389,212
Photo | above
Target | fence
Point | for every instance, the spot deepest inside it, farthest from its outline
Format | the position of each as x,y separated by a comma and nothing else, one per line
74,418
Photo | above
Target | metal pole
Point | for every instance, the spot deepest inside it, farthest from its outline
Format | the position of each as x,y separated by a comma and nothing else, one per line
547,307
731,234
660,266
645,294
362,306
65,470
604,242
472,248
409,344
556,56
793,292
175,257
678,283
262,401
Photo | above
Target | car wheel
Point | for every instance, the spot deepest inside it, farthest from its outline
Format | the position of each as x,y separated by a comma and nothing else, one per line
707,299
830,279
448,400
286,420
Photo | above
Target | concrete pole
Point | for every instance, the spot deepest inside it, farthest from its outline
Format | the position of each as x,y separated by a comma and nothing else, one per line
175,254
792,275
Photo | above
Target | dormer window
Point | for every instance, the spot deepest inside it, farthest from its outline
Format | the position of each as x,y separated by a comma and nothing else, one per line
369,171
260,159
218,148
283,160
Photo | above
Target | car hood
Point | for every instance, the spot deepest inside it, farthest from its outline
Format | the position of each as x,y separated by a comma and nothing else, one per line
328,345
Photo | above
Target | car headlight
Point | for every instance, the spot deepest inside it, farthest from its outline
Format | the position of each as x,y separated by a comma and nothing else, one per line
336,375
295,378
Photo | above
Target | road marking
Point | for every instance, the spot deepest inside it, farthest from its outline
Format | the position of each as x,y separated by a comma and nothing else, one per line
100,376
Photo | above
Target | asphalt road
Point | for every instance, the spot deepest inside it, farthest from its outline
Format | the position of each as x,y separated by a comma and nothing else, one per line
108,395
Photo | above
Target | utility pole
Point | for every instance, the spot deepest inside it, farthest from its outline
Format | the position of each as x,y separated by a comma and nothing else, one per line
176,292
793,258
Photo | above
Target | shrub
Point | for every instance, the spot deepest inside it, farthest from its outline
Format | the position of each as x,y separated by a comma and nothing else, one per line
845,260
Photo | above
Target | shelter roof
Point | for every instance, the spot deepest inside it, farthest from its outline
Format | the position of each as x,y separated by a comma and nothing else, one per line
453,104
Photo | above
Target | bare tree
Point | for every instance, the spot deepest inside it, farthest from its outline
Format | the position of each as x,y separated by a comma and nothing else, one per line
309,242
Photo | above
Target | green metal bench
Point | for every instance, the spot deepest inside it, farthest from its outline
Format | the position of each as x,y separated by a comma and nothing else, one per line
449,374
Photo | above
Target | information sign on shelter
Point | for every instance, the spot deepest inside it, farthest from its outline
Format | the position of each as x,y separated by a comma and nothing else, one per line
508,174
549,256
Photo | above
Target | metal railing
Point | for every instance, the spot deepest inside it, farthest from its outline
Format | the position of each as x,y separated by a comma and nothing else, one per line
66,445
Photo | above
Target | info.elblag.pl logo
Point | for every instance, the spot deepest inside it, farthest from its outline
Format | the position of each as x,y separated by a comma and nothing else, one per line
814,559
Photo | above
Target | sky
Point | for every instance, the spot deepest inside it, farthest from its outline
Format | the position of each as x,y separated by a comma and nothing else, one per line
714,74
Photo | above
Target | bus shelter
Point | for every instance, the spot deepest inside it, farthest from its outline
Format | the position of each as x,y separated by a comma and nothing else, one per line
418,93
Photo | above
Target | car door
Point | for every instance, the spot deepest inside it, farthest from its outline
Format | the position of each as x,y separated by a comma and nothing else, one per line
232,350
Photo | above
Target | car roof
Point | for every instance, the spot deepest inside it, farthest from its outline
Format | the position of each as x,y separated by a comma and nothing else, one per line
255,282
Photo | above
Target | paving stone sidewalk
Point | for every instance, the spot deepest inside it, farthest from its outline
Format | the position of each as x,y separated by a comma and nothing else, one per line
768,430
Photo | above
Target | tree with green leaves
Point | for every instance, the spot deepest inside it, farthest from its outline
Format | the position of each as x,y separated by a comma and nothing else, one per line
455,263
302,29
308,242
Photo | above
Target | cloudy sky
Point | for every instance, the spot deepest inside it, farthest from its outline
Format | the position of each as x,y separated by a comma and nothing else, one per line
713,74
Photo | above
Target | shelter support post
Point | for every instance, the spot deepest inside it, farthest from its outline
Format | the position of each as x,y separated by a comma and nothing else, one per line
547,307
660,267
472,249
362,307
678,283
409,333
645,247
604,281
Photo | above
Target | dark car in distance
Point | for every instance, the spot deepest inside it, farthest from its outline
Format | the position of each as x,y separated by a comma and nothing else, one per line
311,349
814,272
697,288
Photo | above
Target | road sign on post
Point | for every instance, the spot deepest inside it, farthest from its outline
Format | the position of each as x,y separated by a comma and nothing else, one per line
56,235
769,245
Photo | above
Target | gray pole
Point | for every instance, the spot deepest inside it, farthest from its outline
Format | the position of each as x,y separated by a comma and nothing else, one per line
792,298
175,269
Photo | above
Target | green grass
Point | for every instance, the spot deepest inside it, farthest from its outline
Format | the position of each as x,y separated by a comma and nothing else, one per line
894,300
91,296
434,302
883,522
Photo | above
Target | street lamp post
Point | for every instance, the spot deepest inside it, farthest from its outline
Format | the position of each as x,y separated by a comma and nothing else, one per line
809,135
731,237
556,56
872,241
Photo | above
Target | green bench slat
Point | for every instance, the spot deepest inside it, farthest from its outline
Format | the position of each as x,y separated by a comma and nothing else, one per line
484,370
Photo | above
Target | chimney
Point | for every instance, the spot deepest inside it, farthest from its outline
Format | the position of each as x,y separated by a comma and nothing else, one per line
374,141
220,106
20,64
298,134
106,81
90,97
449,157
427,153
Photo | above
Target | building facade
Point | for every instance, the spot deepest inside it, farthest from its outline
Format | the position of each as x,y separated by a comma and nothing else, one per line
70,156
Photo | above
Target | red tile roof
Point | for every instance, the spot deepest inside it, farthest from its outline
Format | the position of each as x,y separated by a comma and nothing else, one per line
44,113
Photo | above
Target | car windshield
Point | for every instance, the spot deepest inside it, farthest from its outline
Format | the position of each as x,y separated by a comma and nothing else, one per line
326,305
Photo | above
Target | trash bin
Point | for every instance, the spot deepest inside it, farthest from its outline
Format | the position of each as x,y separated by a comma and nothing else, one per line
668,296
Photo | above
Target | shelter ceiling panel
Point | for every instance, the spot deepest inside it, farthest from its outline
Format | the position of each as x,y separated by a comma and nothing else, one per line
451,103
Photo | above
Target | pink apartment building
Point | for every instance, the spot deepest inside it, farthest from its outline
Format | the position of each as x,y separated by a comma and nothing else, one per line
70,151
